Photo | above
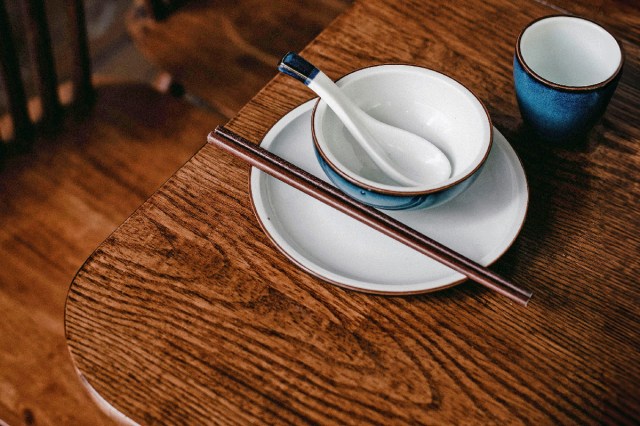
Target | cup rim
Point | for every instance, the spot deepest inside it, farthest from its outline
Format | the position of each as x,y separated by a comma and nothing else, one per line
398,192
566,87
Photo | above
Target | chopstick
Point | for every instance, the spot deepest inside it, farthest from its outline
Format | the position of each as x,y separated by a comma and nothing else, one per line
328,194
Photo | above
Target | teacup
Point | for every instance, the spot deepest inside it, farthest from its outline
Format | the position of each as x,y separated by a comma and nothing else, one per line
565,71
422,101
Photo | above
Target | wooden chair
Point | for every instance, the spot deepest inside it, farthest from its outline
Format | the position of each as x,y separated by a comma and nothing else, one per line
247,37
91,151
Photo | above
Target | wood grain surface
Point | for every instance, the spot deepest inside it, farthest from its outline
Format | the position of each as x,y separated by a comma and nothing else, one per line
58,201
188,314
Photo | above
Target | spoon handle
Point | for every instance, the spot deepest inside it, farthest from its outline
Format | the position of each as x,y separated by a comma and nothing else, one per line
353,117
299,68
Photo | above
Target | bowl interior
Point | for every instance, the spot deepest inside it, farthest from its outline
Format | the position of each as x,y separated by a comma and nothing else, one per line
416,99
570,51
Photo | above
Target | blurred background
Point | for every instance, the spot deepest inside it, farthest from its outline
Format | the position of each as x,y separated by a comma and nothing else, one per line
37,383
65,190
112,50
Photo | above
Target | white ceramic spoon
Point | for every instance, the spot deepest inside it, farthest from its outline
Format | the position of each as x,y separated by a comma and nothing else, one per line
407,158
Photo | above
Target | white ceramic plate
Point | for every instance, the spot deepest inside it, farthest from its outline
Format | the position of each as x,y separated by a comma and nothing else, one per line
480,223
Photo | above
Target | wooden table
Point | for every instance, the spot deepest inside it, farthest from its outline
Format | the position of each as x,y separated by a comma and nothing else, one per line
189,314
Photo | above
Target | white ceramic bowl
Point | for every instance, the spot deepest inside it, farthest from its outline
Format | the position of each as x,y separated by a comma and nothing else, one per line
416,99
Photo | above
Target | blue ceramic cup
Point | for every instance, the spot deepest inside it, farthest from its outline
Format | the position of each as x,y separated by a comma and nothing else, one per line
565,71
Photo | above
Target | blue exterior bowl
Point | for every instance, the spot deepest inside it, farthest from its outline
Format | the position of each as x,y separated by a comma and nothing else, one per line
557,112
394,202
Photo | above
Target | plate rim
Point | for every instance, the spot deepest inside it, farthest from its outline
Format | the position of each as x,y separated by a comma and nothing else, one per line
254,181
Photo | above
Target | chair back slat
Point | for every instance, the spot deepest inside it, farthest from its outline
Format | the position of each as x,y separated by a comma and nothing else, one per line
47,80
83,93
13,85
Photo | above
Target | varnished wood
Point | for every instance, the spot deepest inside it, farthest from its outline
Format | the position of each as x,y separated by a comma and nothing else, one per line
59,197
57,203
188,314
225,51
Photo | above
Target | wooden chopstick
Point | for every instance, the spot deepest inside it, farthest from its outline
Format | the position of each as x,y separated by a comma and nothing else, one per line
328,194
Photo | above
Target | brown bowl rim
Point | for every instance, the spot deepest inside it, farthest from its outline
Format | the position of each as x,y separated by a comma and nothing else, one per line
566,87
385,191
